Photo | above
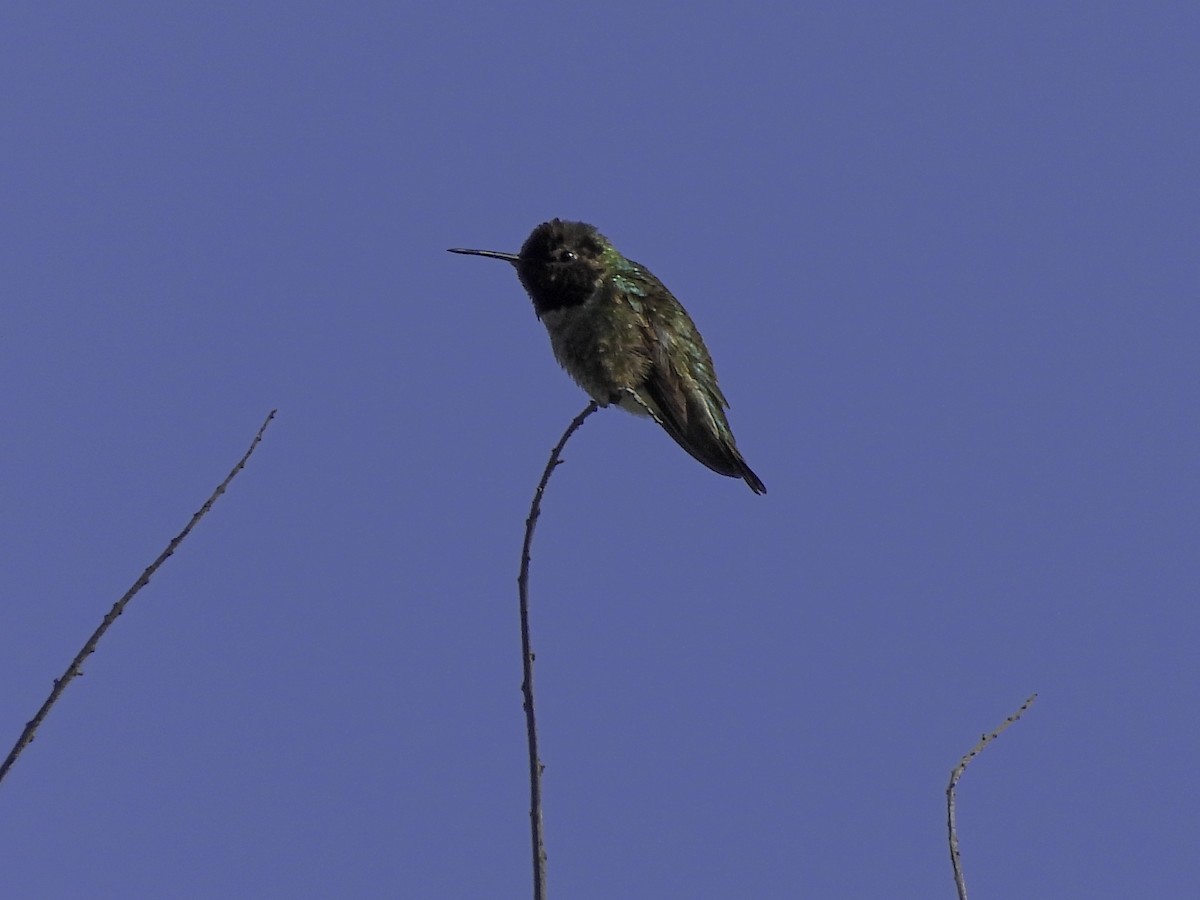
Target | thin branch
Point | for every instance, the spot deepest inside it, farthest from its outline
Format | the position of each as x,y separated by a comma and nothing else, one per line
951,789
75,668
535,761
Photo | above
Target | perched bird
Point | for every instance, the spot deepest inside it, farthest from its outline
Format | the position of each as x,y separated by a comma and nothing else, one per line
625,339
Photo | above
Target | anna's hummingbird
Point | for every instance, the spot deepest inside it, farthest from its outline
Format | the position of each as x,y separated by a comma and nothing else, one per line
625,339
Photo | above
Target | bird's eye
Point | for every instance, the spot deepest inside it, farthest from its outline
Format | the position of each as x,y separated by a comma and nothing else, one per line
567,256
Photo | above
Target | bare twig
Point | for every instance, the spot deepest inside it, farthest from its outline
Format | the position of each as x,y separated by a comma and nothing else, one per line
955,775
75,668
535,762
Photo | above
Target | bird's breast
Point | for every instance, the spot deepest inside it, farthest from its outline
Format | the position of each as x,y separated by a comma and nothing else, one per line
605,354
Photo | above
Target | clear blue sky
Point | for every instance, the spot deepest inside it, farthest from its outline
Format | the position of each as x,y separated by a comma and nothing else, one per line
945,257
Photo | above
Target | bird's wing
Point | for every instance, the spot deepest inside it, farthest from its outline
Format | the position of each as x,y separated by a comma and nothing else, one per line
681,384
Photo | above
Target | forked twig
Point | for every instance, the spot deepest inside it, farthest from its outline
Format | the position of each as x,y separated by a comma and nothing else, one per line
75,668
955,775
535,762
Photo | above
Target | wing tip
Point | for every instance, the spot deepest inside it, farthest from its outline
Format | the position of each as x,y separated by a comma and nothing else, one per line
753,481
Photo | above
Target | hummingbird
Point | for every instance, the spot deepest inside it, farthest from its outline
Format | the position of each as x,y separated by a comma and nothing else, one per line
625,339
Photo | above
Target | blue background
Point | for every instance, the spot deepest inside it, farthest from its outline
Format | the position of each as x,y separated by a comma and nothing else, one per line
945,256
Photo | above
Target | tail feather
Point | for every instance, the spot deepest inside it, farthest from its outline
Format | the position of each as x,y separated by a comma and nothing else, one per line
706,440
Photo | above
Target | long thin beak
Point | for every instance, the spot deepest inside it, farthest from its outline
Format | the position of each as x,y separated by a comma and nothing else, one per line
492,254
